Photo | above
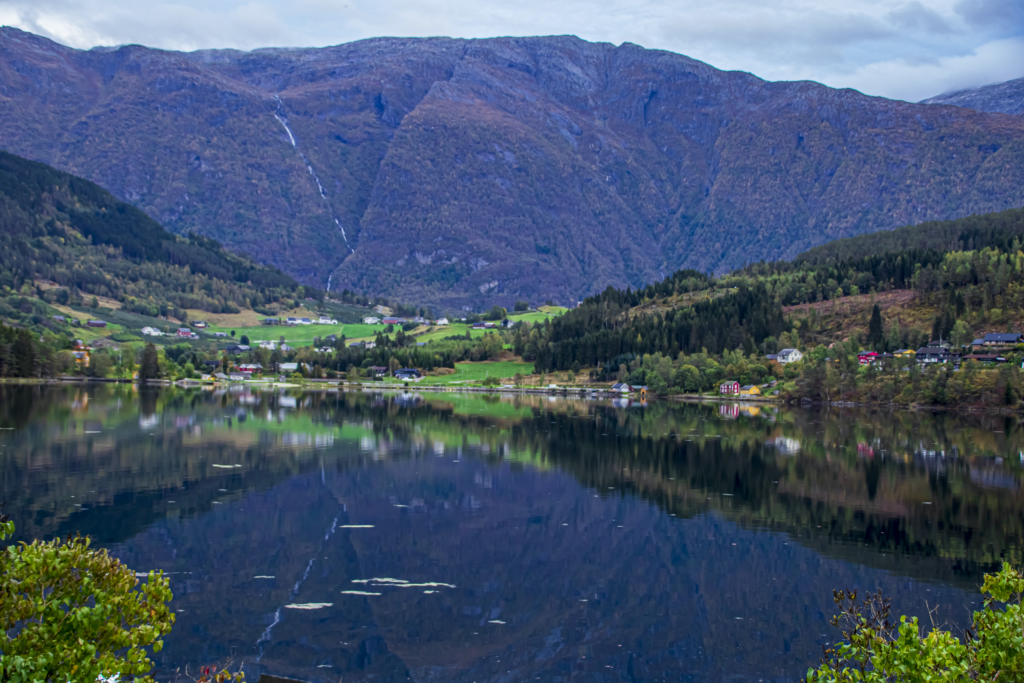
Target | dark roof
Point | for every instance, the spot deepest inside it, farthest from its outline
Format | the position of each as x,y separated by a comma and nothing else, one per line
1003,337
932,351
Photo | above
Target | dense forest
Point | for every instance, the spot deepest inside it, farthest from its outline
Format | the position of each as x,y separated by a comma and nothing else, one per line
76,237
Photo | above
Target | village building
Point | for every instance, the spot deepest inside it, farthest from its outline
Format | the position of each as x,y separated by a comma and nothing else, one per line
789,356
97,323
935,354
371,320
750,390
729,388
1003,339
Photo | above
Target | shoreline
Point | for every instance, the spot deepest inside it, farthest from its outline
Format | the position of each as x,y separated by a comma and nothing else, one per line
567,392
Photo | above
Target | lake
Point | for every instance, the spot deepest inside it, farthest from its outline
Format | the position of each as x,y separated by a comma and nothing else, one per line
354,536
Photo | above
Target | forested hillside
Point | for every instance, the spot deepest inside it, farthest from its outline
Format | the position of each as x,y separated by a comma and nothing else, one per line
691,331
76,240
467,173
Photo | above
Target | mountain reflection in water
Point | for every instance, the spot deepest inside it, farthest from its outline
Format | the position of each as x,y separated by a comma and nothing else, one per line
456,537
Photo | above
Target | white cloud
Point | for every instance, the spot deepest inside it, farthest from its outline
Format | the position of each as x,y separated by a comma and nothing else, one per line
910,49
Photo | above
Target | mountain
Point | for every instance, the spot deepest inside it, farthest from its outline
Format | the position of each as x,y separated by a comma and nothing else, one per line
1005,98
63,230
463,173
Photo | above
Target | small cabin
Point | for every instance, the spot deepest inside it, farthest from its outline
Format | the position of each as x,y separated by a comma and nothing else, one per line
729,389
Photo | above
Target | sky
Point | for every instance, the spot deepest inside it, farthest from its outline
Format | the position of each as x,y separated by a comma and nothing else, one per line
904,50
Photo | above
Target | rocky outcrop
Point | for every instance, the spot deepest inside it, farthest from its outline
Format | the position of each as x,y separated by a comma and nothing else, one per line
472,172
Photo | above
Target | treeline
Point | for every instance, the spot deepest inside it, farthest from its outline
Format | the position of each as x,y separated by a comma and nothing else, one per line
906,258
601,330
962,234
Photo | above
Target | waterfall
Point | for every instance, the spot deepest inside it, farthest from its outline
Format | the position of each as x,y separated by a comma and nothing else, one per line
282,118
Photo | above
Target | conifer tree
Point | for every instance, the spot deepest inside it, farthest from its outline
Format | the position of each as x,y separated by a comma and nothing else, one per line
149,368
875,331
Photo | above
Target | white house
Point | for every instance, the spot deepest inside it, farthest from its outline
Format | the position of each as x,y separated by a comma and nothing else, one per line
620,388
152,332
324,320
441,321
789,356
371,320
268,344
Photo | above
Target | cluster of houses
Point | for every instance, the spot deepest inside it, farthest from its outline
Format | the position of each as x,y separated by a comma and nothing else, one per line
395,320
293,321
507,322
786,356
734,389
987,350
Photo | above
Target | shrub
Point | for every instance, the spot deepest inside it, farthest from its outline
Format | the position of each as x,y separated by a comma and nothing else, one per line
876,649
78,613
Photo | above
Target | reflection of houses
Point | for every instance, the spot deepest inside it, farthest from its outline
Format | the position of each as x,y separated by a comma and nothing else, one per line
729,411
619,402
784,445
750,411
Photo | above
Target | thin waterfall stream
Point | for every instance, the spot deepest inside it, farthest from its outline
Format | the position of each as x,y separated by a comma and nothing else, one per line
282,118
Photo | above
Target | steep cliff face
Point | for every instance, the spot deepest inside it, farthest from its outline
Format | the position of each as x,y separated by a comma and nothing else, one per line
1004,98
468,172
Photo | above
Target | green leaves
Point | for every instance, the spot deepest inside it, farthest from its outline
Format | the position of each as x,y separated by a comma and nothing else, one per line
877,650
82,614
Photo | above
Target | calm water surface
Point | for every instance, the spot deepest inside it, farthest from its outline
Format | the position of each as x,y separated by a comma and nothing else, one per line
442,537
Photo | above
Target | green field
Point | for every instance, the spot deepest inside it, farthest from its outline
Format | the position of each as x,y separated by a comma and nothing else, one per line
467,373
540,315
300,335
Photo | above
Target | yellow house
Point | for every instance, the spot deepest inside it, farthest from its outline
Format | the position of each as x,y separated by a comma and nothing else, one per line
750,390
905,353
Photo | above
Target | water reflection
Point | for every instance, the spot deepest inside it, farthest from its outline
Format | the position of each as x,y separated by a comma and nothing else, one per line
463,537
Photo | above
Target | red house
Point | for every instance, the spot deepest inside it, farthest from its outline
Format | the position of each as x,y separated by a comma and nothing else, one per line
184,332
867,357
729,389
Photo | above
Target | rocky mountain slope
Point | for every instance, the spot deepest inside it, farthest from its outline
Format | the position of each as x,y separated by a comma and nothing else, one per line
1005,98
469,172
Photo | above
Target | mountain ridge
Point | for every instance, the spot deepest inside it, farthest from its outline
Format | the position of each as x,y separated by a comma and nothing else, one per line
1003,98
471,172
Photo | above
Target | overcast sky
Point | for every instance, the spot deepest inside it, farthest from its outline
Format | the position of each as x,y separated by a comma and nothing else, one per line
907,50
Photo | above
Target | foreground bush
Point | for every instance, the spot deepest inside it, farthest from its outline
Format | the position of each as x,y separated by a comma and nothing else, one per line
78,613
877,649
